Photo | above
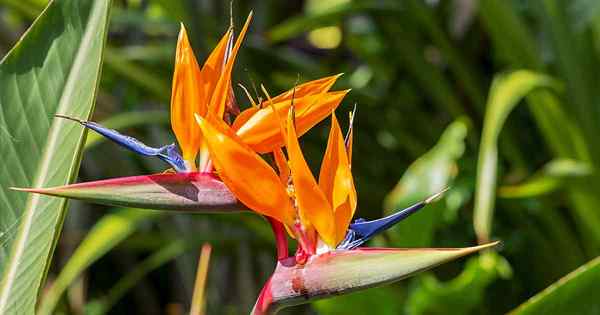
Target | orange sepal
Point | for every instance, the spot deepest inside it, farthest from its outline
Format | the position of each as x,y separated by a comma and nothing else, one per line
244,172
213,69
218,100
335,179
317,86
211,72
282,166
186,98
308,88
261,131
312,202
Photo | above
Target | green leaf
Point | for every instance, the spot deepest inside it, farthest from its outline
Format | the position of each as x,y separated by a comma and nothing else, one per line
575,293
54,68
430,174
552,176
506,92
107,233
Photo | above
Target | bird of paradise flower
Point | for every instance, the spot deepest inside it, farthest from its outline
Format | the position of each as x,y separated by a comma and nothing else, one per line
232,176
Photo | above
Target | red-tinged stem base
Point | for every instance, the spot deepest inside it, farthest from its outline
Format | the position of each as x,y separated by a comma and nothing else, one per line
280,238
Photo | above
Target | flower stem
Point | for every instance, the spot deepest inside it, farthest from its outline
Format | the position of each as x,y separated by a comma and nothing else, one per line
280,238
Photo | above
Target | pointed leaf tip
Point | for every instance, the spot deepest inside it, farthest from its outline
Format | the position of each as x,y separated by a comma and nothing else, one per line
436,197
81,121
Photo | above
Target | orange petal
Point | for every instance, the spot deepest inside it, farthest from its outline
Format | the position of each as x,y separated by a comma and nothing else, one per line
261,131
350,137
312,203
335,179
210,74
186,98
221,90
248,176
312,87
282,166
244,116
343,215
309,88
213,68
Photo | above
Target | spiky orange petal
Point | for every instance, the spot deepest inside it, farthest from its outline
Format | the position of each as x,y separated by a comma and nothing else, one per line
313,87
186,98
248,176
335,180
312,202
261,131
213,69
211,72
350,139
308,88
282,166
218,100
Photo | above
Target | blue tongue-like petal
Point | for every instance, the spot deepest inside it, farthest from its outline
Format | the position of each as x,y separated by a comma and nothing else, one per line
362,230
167,153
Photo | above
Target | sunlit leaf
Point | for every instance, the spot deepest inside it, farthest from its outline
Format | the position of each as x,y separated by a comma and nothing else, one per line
506,92
575,293
54,68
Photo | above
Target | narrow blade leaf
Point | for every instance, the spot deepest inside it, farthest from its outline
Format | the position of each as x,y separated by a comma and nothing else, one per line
506,92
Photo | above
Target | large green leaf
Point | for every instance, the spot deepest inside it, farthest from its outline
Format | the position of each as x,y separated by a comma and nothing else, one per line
506,92
54,68
575,293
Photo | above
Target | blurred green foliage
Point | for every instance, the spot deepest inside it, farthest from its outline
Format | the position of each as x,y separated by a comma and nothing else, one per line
422,74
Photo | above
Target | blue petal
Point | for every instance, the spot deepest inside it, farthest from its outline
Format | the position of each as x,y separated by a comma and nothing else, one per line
167,153
362,230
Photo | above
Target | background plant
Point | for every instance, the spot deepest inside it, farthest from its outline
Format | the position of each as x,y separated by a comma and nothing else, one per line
437,86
